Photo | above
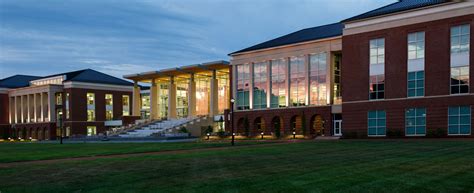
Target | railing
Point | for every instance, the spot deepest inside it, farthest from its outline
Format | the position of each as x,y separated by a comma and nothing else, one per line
131,127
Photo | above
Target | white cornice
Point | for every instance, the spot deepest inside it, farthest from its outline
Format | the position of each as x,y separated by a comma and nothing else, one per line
97,86
421,15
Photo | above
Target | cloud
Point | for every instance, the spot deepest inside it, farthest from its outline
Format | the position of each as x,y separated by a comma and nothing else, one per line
122,37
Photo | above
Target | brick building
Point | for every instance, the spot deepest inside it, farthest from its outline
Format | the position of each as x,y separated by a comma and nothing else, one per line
401,70
86,101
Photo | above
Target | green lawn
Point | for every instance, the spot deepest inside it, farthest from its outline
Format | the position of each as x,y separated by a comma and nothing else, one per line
328,166
11,152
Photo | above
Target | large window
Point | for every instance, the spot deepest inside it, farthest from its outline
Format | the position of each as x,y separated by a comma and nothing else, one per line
67,106
415,121
337,79
377,87
109,115
416,84
460,38
243,86
125,105
376,123
460,44
460,80
59,98
377,51
377,69
90,115
459,120
202,94
318,72
90,106
416,45
260,85
297,81
91,130
279,72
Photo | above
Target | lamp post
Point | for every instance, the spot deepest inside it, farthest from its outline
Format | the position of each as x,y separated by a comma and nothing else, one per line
208,134
232,101
60,124
294,134
262,134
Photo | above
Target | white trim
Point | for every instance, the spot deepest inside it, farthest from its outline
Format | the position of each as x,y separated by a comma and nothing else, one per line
410,98
97,86
4,90
426,14
284,46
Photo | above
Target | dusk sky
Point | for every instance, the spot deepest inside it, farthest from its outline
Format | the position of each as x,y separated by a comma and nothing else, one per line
124,37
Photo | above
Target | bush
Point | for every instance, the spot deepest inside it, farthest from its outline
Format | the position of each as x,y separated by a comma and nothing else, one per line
209,129
394,133
350,135
439,132
221,133
183,130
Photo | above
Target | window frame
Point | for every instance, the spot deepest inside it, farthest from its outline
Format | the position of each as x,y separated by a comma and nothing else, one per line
459,124
416,88
416,121
377,127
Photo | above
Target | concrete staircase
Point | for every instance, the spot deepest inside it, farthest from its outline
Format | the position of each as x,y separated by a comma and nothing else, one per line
161,128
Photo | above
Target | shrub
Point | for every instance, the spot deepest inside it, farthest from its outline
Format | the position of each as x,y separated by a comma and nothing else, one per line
183,130
394,133
350,135
221,133
438,132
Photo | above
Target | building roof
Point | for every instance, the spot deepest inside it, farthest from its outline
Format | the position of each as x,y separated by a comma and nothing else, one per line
17,81
179,71
304,35
401,5
92,76
86,75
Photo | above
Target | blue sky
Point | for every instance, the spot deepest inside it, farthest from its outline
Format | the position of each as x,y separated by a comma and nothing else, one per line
123,36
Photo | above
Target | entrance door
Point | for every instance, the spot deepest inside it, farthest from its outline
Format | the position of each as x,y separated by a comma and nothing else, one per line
337,127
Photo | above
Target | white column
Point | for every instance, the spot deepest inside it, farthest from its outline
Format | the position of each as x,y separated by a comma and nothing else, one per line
287,82
16,109
269,83
41,107
51,106
329,78
153,100
10,110
214,109
35,114
234,84
28,108
251,85
22,109
307,83
192,97
136,100
172,99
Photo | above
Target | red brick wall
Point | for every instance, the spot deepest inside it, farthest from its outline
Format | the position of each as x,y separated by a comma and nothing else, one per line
286,115
355,75
4,105
78,109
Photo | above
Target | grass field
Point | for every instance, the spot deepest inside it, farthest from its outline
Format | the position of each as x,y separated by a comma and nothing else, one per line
325,166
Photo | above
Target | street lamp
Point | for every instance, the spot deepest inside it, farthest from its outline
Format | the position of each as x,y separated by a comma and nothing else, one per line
208,134
262,134
232,101
294,134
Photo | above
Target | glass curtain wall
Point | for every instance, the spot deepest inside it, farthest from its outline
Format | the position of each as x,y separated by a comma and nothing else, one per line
243,86
182,85
163,100
223,91
318,72
297,81
260,85
278,86
202,94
